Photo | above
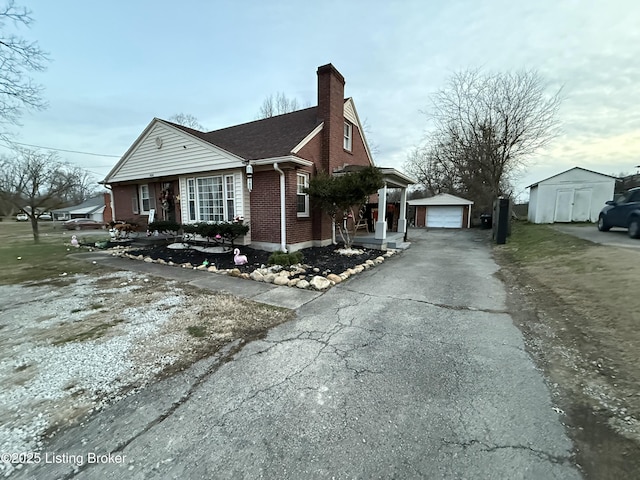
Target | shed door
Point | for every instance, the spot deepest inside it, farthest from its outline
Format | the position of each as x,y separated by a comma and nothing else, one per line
564,201
581,205
444,216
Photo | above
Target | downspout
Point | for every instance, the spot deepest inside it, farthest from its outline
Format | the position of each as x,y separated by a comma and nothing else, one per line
283,210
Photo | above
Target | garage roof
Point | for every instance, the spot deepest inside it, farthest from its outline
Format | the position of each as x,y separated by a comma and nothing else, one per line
441,199
571,169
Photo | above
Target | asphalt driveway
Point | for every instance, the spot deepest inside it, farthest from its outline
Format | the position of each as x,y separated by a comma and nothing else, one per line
409,370
616,237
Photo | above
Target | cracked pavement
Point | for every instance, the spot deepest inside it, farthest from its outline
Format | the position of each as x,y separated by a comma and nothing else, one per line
412,369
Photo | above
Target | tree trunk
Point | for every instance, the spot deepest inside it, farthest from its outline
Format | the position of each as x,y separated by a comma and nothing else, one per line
34,228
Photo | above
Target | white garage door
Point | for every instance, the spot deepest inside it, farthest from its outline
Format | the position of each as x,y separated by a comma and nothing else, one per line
444,216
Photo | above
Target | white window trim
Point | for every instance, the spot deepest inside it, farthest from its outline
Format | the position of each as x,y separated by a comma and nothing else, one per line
348,136
225,198
142,198
306,212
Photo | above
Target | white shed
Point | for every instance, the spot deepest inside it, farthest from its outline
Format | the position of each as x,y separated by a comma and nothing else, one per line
575,195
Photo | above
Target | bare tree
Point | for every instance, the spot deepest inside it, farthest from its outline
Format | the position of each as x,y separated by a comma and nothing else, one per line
487,127
186,120
278,105
37,182
374,148
18,58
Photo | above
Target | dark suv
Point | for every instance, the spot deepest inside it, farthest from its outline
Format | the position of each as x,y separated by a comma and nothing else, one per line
623,212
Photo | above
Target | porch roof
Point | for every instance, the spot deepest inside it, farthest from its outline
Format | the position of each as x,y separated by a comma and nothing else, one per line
395,178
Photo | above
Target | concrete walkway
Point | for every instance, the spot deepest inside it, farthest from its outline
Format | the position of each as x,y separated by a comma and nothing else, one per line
279,296
409,370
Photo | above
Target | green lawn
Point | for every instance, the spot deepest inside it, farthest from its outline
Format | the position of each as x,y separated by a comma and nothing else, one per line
530,242
22,259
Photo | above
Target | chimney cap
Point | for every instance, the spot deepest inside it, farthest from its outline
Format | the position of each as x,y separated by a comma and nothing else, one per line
330,69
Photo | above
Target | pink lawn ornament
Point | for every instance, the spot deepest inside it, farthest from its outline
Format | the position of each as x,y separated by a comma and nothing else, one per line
239,259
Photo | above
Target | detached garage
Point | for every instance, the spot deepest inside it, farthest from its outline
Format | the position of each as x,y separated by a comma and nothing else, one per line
576,195
442,211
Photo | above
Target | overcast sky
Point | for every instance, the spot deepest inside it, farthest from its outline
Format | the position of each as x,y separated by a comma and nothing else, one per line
117,64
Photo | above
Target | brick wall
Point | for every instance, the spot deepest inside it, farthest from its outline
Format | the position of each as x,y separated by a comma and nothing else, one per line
265,207
107,216
421,215
123,200
299,229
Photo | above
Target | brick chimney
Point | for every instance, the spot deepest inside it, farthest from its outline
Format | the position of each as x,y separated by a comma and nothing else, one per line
331,112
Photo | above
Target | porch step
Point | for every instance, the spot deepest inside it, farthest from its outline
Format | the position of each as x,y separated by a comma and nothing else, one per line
399,245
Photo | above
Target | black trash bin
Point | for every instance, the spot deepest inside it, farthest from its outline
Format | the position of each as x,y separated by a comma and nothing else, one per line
486,221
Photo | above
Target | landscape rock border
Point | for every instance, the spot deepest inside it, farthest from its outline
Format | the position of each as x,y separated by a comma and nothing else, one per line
293,276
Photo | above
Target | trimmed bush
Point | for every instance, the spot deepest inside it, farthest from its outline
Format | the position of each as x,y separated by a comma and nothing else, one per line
285,259
163,226
224,232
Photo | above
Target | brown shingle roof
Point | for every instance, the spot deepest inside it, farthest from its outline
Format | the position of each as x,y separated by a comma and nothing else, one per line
266,138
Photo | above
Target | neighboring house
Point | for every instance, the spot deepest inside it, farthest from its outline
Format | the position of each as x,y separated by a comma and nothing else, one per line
96,208
256,170
442,211
575,195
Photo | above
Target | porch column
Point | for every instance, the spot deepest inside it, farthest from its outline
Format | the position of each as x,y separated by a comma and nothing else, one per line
381,224
402,218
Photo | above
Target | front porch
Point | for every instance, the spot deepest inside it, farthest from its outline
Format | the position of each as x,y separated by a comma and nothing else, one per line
382,235
393,240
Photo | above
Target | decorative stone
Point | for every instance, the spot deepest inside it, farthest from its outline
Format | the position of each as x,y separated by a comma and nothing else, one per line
257,276
148,259
352,271
269,277
170,263
344,275
366,266
379,260
320,283
334,278
161,261
316,270
212,268
293,282
370,263
302,284
245,276
358,268
201,267
187,265
281,280
235,272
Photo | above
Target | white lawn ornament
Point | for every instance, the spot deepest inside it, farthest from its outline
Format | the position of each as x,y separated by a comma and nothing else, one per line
74,241
239,259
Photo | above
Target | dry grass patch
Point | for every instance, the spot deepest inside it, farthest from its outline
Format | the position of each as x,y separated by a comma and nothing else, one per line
581,317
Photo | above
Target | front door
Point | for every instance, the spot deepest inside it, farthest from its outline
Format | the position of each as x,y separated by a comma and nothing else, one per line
167,202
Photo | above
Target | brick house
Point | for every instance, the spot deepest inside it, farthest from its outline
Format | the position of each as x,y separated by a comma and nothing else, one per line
255,170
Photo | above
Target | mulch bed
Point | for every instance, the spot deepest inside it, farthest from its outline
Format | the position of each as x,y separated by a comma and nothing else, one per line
325,259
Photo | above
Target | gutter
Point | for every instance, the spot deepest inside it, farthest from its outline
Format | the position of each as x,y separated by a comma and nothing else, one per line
283,218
